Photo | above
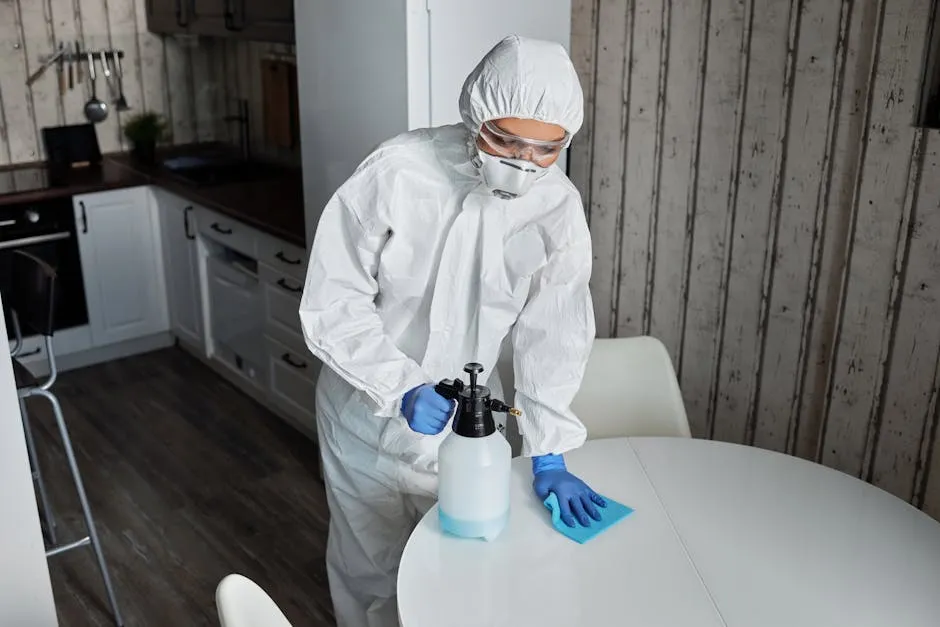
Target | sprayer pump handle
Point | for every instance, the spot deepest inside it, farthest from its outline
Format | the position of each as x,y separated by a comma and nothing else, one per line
449,388
473,369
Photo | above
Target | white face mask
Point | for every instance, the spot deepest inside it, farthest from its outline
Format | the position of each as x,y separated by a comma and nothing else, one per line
508,178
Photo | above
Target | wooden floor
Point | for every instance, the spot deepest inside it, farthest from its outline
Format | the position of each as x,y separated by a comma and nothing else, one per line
189,480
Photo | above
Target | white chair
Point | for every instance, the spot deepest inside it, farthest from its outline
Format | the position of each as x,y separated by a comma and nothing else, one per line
630,389
242,603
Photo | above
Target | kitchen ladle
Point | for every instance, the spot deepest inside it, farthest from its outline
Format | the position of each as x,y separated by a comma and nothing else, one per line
121,102
95,110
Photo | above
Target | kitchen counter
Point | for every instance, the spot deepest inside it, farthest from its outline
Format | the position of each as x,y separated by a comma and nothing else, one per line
28,182
272,204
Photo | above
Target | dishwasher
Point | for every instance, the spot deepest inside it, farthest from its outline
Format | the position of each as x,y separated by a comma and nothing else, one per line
237,313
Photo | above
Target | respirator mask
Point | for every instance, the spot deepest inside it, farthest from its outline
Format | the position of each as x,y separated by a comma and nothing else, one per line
510,165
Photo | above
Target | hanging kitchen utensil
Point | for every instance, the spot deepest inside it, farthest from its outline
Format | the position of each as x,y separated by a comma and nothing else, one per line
78,62
45,66
60,69
121,102
71,61
106,70
95,110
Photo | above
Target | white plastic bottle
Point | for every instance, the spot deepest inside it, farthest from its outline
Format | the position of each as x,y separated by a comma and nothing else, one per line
474,463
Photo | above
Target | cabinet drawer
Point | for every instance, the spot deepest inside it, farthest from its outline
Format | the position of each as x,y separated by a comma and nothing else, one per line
283,257
292,382
282,318
227,231
32,351
281,307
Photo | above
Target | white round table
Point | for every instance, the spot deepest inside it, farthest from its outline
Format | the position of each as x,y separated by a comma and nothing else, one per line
722,535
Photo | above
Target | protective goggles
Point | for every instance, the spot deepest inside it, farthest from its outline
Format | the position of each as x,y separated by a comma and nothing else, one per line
515,147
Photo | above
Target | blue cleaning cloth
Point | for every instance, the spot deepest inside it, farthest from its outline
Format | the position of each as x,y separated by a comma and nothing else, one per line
610,516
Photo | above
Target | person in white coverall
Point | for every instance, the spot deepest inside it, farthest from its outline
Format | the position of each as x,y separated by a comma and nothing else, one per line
442,243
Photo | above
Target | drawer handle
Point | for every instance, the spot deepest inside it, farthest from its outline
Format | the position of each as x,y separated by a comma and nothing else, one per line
289,288
291,262
186,211
35,351
219,229
300,365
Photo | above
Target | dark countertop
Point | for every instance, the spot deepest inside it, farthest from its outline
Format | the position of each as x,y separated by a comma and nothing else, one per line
274,205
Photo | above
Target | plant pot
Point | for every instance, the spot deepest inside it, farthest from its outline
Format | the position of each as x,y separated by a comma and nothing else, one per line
145,152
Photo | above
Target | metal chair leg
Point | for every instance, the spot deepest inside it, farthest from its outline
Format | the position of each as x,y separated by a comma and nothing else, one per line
47,514
86,509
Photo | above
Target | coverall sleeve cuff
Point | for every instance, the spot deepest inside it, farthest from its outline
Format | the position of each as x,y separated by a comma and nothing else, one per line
390,407
548,433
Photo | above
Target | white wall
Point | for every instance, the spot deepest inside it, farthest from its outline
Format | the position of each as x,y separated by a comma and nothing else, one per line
352,86
25,590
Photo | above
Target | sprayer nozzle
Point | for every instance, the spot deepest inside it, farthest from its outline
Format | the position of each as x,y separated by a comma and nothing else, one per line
498,405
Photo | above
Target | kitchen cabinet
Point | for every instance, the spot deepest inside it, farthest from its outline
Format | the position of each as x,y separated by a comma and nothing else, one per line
119,245
281,306
268,20
254,282
230,233
293,383
209,18
32,352
236,315
254,20
181,257
169,16
292,370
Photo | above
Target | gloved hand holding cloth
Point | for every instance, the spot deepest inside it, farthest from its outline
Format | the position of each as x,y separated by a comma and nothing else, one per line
577,501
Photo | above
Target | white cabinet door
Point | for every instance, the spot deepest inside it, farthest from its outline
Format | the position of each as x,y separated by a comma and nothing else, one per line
181,263
118,236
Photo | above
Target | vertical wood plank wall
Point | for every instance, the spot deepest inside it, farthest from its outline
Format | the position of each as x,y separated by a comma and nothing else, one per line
761,201
193,83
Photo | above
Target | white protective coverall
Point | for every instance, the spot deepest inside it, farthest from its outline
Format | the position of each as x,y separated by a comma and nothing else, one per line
417,269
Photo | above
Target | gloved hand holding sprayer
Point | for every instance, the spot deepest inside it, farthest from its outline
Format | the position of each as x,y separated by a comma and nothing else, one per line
428,412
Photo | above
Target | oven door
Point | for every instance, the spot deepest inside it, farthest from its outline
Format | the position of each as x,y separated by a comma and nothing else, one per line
60,250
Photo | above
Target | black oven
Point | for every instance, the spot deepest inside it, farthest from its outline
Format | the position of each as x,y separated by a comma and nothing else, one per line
46,229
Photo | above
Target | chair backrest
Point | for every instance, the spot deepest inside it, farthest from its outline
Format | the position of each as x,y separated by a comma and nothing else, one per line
242,603
32,293
630,389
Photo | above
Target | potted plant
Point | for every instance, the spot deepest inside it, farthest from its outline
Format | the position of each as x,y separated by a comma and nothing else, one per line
144,130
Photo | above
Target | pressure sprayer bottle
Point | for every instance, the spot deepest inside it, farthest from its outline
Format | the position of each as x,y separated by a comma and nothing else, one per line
474,462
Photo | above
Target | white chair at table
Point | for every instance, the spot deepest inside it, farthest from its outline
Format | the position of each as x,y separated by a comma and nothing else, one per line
630,389
242,603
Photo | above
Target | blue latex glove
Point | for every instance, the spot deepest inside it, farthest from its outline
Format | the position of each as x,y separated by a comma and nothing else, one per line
577,501
425,410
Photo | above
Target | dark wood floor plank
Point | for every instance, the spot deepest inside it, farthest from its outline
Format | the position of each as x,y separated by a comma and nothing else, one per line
189,480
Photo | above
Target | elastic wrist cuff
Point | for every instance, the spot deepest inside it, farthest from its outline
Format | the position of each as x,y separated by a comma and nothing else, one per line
548,462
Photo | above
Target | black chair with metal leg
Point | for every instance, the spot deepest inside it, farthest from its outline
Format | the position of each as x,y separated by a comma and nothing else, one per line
22,377
32,299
